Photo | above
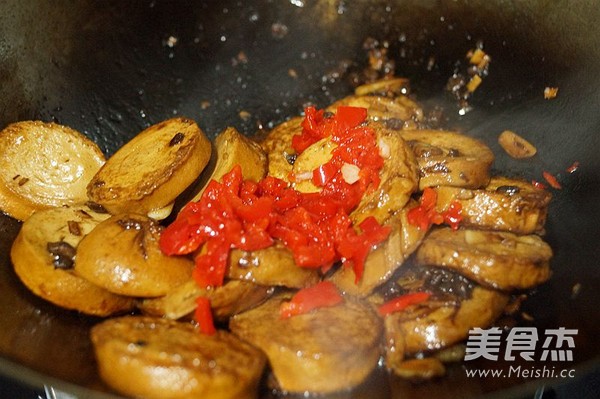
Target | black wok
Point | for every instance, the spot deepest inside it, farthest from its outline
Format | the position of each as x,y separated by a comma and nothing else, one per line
111,68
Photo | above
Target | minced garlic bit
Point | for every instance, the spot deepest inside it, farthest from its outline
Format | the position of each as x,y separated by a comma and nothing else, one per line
303,176
515,145
245,115
350,173
384,149
550,92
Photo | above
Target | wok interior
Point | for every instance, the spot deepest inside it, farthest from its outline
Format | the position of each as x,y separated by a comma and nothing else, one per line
109,69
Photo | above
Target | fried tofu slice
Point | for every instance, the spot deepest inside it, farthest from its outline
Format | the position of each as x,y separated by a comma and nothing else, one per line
496,259
122,254
449,158
326,350
505,204
43,256
149,172
151,357
44,165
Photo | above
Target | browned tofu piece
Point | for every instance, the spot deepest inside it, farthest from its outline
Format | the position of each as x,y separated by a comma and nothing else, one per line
495,259
326,350
504,204
159,358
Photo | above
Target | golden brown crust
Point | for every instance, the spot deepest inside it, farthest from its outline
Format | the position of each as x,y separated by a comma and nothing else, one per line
449,159
232,148
34,264
44,165
159,358
501,260
152,169
504,204
122,255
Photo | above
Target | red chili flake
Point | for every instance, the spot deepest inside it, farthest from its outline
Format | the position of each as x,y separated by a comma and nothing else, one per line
321,295
203,316
424,215
538,185
551,179
573,167
402,302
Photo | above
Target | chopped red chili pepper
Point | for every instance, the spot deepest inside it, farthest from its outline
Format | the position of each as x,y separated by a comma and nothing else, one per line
402,302
424,215
323,294
316,227
538,185
203,316
574,166
551,179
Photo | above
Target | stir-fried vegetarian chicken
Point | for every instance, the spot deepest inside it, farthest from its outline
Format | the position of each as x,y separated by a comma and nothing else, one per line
43,166
327,350
122,255
455,306
399,178
152,169
504,204
43,257
399,175
405,287
397,112
278,147
233,297
449,158
271,266
495,259
232,148
385,259
159,358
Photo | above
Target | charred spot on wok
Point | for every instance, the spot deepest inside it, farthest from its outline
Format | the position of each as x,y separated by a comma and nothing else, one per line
63,254
177,139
